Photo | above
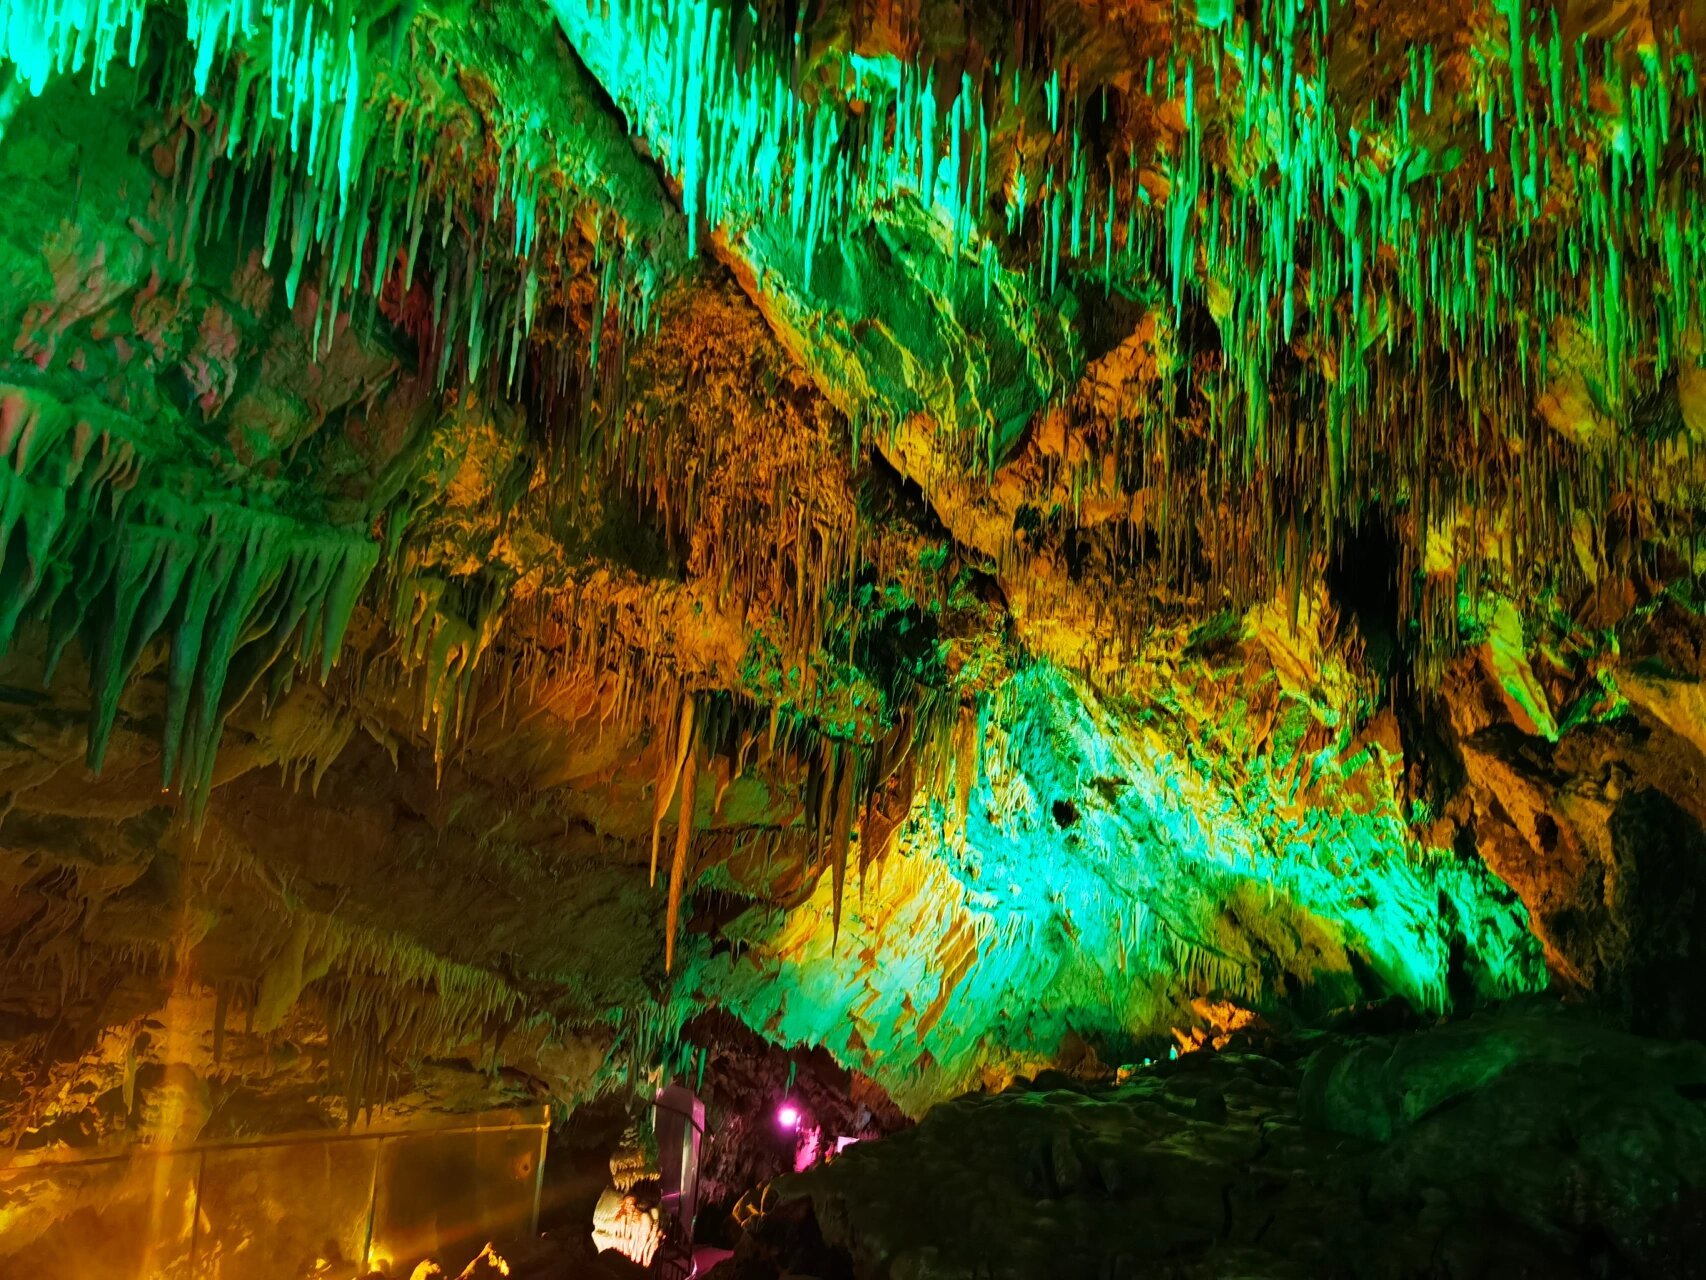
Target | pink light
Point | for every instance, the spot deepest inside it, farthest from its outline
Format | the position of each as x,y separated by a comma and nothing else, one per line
788,1116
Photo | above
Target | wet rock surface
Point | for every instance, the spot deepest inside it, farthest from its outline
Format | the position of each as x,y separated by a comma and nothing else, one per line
1527,1142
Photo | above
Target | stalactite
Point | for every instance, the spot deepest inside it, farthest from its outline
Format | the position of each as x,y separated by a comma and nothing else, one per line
675,759
441,649
840,830
680,866
94,548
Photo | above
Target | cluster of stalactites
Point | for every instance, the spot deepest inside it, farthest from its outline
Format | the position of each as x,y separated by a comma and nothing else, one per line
1390,279
357,197
93,550
855,795
310,117
1427,277
385,999
1320,204
693,77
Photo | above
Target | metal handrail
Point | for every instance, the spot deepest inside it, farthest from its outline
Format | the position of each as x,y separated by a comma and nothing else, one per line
51,1158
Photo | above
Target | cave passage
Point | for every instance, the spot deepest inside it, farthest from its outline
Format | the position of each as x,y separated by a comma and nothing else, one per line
860,639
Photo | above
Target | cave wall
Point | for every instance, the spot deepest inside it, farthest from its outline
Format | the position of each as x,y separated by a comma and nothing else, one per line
485,581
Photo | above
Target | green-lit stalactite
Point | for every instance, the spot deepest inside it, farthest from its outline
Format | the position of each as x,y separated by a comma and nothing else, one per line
95,548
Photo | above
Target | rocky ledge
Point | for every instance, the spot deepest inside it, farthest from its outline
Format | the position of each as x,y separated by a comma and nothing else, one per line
1530,1141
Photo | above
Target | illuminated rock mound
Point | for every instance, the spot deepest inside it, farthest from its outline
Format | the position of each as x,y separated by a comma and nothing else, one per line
1466,1150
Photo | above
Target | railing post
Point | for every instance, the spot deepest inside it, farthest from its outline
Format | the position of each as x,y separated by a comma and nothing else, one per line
195,1210
372,1205
539,1179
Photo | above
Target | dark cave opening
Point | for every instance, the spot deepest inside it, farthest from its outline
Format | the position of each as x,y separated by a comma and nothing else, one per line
1365,577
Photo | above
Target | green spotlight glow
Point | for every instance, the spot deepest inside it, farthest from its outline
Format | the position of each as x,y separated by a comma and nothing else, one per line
1105,876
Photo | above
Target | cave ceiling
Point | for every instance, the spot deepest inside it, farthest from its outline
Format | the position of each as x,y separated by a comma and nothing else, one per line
964,534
